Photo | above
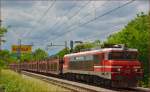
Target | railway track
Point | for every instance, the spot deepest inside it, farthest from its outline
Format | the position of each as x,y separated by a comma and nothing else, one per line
73,86
80,87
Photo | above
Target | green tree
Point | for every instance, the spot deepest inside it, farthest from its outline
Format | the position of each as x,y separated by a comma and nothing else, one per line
26,57
2,33
136,35
63,52
5,57
2,30
87,45
83,46
40,54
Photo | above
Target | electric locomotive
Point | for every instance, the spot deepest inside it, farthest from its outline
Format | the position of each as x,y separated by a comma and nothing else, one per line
116,67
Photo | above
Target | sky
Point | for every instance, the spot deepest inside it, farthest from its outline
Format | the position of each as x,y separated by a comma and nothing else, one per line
40,22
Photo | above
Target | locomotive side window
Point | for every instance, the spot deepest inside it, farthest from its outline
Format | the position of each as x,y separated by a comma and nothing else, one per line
72,58
89,58
82,58
126,55
98,58
79,58
95,58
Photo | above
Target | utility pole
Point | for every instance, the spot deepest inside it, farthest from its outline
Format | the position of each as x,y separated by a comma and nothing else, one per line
0,26
19,55
0,14
19,49
66,44
72,44
0,42
149,52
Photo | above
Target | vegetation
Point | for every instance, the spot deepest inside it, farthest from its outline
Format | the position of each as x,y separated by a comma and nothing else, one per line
63,52
87,45
5,58
13,82
37,55
136,35
40,54
2,31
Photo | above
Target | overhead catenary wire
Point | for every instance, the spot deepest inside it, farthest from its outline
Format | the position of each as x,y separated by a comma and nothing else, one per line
76,13
106,13
91,36
57,22
67,13
75,22
43,15
81,18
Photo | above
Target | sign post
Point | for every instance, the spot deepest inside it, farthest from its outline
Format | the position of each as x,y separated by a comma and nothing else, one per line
19,49
19,55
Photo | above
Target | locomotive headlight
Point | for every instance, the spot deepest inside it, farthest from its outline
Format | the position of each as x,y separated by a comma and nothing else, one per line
118,70
138,70
135,70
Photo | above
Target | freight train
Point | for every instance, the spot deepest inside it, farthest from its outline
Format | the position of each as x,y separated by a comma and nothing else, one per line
117,66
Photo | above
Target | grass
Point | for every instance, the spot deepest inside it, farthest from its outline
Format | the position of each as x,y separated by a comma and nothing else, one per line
14,82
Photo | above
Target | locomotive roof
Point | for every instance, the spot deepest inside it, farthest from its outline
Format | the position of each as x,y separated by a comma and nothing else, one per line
100,50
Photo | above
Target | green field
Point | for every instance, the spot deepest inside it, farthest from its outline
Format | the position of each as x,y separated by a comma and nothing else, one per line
11,81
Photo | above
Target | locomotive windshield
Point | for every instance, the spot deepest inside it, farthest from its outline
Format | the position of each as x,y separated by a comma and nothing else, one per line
126,55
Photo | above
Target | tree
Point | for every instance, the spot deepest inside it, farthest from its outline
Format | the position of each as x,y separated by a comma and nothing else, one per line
40,54
26,57
5,58
136,35
2,30
87,45
63,52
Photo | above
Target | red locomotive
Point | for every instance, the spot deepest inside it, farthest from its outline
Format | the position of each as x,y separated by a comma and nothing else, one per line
116,67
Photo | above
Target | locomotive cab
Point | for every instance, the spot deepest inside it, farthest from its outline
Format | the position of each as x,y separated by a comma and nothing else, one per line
125,70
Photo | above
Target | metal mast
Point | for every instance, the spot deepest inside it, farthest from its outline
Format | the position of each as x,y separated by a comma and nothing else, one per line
0,25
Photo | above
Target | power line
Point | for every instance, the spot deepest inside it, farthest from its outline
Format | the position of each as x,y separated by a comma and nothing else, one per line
77,12
75,22
64,15
81,18
43,15
106,13
87,38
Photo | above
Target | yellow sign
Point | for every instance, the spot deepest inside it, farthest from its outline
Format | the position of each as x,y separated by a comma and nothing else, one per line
22,48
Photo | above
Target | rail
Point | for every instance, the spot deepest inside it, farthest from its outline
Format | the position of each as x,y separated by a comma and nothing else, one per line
73,86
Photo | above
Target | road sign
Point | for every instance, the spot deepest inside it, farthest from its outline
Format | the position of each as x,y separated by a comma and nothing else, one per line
24,48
